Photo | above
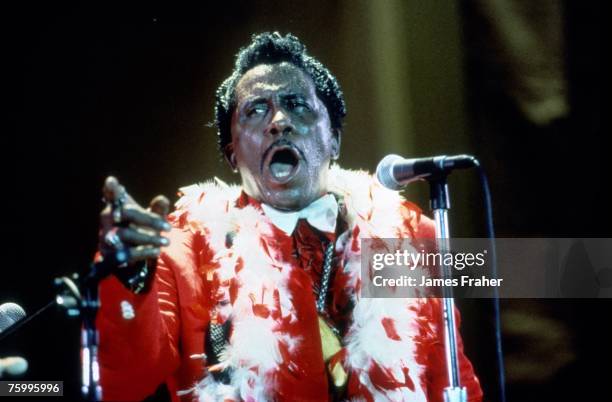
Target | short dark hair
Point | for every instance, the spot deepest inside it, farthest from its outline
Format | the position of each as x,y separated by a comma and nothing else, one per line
271,48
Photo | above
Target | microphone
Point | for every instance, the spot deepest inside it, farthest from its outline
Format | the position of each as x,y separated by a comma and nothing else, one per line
394,172
10,313
13,366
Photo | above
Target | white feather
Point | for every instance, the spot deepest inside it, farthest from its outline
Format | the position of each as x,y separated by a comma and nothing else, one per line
253,353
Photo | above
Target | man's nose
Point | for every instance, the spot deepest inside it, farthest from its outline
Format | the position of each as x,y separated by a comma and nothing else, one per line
280,123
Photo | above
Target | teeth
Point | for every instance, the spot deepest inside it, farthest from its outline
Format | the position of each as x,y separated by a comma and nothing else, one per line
281,170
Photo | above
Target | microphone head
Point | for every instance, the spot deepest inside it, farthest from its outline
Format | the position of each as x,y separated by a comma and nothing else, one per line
384,172
13,366
10,313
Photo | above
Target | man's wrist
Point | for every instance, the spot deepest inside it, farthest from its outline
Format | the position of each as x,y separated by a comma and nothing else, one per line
137,277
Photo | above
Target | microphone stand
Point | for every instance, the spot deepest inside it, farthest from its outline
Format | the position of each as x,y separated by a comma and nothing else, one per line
90,303
440,204
90,368
85,303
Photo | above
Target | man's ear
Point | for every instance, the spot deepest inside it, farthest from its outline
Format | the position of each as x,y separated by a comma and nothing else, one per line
336,141
230,156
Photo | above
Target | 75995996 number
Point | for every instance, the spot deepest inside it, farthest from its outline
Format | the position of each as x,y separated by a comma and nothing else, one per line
31,388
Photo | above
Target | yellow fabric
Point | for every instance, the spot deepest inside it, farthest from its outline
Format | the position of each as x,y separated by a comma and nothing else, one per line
331,346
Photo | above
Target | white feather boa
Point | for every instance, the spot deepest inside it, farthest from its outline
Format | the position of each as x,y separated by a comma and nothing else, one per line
253,353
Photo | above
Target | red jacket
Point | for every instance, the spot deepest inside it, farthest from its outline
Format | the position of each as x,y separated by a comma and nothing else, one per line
164,342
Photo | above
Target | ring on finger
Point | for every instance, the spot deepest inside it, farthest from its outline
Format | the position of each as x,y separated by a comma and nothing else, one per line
116,215
112,239
122,257
117,206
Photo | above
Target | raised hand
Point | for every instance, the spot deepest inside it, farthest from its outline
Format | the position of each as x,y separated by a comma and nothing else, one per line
130,235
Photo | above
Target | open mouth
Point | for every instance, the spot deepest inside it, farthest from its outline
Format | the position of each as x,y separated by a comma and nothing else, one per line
283,163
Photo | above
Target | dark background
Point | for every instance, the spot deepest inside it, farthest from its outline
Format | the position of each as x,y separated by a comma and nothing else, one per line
97,90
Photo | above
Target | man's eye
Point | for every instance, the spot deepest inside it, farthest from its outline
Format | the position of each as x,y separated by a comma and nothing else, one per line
257,110
297,106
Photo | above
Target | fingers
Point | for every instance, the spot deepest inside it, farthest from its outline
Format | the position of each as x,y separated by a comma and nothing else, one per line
160,205
140,237
141,217
113,190
128,232
142,253
122,208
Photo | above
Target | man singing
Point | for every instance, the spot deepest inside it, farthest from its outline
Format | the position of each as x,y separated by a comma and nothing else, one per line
252,292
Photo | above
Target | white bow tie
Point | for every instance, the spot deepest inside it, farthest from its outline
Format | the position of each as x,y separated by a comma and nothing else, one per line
321,214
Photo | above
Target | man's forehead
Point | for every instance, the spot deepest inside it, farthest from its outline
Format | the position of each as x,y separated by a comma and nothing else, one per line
266,78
